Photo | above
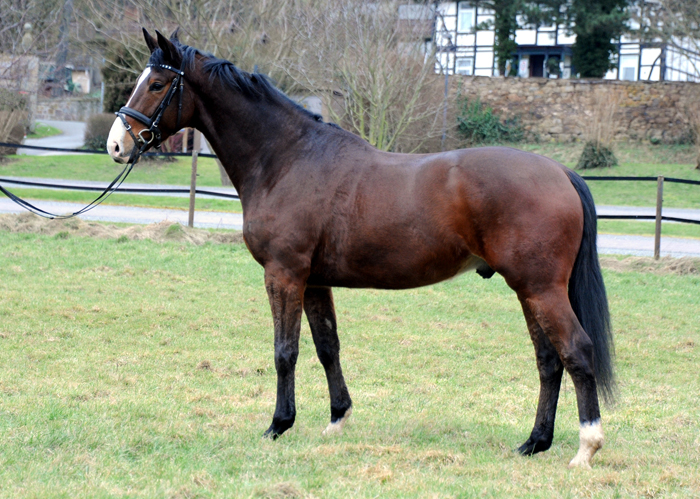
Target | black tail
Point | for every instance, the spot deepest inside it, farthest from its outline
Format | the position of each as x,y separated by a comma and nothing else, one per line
587,294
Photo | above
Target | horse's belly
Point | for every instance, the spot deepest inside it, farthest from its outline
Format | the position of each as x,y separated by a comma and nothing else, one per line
398,274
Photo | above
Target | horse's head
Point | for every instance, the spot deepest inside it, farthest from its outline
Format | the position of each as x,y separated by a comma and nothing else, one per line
159,104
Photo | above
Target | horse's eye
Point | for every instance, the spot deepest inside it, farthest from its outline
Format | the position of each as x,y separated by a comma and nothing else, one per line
155,87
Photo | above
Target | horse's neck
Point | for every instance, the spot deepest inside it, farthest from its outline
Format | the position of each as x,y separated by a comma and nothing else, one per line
249,138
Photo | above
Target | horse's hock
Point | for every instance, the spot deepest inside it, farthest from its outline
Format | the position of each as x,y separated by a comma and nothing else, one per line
558,109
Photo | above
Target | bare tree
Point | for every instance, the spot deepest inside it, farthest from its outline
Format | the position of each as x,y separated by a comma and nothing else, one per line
371,68
368,65
41,15
675,23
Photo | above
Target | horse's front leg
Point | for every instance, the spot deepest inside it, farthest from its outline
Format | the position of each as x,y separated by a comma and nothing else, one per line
285,292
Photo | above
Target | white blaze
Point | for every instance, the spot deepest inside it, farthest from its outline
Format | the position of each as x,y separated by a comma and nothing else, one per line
116,146
139,82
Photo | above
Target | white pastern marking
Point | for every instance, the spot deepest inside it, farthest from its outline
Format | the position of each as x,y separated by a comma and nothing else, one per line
590,440
337,427
142,78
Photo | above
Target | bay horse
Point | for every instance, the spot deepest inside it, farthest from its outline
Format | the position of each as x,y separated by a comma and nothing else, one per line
323,208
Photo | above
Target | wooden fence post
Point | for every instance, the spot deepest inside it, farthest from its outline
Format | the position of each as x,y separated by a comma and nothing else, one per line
659,204
193,180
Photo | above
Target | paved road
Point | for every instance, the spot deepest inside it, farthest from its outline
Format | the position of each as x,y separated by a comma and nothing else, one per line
134,215
73,137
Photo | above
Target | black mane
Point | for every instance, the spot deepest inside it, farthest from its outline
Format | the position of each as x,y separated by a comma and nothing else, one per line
255,86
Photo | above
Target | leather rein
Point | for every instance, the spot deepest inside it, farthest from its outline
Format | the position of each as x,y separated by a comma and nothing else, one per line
140,144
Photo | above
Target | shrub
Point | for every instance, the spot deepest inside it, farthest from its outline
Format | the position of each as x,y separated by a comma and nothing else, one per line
600,129
596,155
97,131
13,117
479,125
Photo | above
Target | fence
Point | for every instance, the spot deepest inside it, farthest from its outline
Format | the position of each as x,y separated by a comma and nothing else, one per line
659,204
660,180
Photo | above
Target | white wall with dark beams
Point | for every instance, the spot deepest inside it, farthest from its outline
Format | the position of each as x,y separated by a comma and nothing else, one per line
463,48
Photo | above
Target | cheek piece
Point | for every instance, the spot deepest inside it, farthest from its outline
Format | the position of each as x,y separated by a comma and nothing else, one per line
176,86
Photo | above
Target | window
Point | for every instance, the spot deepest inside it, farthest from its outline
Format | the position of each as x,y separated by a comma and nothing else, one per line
465,15
464,66
628,67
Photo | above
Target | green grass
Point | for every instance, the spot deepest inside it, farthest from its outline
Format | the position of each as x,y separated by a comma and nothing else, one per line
637,193
101,396
122,199
648,228
100,167
42,130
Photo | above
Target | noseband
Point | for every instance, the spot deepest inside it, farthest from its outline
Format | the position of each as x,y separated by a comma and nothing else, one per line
151,123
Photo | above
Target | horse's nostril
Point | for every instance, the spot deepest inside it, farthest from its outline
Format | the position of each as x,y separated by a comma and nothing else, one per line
116,148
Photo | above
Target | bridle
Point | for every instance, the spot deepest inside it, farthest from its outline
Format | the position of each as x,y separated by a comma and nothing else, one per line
177,85
140,143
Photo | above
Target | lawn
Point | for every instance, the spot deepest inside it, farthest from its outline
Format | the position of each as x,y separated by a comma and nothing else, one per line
124,199
100,167
143,369
645,228
42,130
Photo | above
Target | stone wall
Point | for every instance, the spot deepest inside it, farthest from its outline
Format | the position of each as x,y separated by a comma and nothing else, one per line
559,109
67,108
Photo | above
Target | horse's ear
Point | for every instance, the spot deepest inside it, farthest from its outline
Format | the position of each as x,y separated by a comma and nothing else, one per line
171,53
150,41
174,36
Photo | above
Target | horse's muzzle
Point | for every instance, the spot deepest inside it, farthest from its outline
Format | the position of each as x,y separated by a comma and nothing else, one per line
119,143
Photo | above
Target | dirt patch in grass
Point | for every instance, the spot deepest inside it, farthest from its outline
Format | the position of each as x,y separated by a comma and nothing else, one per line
662,266
160,232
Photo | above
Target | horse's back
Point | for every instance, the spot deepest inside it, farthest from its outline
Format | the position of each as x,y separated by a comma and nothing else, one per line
411,220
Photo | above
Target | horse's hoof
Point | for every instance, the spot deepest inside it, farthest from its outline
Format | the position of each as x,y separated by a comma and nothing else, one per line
533,446
590,440
278,427
336,427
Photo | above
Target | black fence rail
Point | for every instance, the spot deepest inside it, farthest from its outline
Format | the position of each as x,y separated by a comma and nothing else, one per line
659,217
97,151
648,179
130,190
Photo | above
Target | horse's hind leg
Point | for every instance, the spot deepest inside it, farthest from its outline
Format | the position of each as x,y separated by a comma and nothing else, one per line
318,305
551,370
553,312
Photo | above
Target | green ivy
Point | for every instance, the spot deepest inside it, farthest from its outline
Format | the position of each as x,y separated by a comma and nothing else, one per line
479,125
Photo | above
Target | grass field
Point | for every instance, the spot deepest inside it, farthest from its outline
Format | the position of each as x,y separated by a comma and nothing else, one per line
138,369
100,167
123,199
42,130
